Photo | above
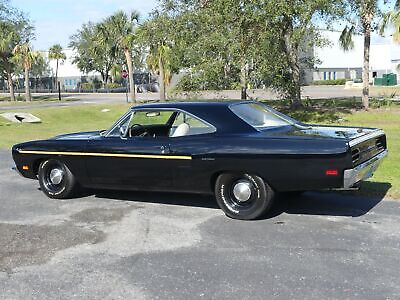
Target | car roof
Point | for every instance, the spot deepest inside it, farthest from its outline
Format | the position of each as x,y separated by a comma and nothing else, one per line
189,105
216,113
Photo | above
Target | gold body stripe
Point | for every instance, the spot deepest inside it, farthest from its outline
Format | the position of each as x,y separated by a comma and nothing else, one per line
106,154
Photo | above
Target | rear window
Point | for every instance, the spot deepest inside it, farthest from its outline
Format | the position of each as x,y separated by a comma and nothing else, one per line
259,116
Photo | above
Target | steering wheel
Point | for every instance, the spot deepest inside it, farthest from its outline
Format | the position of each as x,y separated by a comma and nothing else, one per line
138,127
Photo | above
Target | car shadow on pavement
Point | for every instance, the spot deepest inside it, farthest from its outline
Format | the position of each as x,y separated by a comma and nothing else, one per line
349,204
330,203
180,199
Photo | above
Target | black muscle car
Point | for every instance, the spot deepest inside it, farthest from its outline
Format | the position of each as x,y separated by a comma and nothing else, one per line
242,152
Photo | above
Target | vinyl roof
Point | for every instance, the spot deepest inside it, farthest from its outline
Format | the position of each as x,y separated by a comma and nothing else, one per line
216,113
190,105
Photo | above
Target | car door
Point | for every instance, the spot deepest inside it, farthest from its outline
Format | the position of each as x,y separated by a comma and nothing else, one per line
193,175
129,162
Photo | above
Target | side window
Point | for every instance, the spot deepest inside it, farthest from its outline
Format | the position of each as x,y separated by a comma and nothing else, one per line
145,118
150,123
185,125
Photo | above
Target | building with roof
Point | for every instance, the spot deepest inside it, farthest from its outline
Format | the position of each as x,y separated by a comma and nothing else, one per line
335,63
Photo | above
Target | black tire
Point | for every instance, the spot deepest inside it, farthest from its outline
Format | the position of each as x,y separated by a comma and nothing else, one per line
64,188
260,196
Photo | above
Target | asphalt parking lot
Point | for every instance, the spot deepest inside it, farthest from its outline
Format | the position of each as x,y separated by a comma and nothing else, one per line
114,245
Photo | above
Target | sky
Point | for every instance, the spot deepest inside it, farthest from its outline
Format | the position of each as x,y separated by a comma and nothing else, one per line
56,20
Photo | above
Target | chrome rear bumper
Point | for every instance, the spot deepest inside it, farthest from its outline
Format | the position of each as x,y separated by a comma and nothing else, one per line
363,171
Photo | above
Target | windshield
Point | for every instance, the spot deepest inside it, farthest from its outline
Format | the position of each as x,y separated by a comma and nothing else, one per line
260,116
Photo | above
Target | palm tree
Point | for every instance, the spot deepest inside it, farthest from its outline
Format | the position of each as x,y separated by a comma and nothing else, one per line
121,27
55,52
7,38
158,61
115,72
366,12
156,34
26,57
392,18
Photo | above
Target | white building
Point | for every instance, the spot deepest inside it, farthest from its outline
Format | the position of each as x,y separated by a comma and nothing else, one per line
68,73
337,63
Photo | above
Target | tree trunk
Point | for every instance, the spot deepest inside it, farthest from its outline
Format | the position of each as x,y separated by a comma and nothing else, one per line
292,53
11,86
295,91
367,46
103,79
296,94
27,87
56,82
243,82
161,78
129,63
106,79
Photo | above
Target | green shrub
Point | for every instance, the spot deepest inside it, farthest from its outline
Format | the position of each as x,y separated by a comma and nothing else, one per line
341,81
209,79
188,83
86,86
113,85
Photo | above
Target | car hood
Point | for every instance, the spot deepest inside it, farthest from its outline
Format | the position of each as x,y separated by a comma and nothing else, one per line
78,135
317,131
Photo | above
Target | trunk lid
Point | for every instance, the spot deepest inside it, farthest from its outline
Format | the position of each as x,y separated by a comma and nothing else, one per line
364,143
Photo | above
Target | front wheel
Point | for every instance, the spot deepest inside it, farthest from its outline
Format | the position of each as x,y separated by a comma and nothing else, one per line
243,196
56,180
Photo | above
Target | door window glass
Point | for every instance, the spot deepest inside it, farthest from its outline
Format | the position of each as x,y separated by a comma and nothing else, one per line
151,117
186,124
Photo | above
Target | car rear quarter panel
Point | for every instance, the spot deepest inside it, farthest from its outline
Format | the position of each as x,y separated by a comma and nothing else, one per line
287,164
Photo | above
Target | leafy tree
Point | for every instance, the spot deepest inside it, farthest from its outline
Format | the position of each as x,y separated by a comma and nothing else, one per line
249,41
155,35
40,67
116,71
392,18
26,57
8,38
95,50
15,29
56,53
40,70
120,29
4,9
295,22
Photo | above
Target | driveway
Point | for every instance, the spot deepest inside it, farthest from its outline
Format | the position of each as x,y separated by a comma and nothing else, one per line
114,245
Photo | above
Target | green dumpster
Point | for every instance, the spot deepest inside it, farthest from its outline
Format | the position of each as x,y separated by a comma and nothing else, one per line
385,79
378,81
391,79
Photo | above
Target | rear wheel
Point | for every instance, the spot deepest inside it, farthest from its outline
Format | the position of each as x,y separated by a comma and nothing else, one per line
56,180
243,196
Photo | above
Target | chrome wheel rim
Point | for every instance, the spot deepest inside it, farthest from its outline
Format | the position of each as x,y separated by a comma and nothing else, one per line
242,191
56,176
